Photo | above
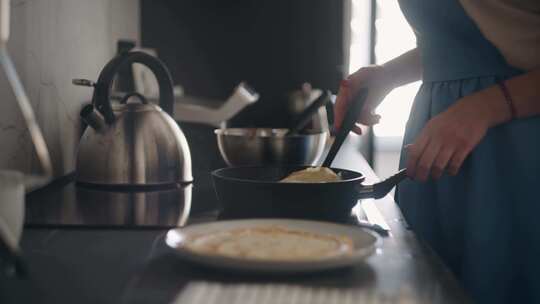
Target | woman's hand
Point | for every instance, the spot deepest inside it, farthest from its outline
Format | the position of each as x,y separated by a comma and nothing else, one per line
449,137
379,80
378,84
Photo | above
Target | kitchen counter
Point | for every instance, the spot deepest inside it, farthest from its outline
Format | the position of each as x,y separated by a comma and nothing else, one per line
107,264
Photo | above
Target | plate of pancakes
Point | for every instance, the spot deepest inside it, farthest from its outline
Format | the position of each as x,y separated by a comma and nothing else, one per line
273,245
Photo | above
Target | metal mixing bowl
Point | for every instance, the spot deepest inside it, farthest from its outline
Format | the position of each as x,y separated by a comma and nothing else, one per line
262,146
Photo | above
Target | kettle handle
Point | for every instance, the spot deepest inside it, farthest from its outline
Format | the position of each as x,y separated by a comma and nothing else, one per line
101,97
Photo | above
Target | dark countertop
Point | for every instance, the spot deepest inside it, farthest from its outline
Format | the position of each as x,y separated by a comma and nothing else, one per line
80,264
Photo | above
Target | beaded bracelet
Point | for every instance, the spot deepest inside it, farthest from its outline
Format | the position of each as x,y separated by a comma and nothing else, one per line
508,98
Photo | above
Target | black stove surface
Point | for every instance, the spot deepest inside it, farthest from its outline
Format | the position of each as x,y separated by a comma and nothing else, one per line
63,203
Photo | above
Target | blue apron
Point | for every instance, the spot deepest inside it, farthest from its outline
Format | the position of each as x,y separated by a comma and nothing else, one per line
484,222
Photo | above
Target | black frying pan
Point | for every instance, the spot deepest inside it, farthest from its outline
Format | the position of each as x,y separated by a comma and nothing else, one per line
257,192
254,192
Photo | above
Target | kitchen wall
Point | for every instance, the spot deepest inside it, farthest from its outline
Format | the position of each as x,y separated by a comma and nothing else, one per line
211,45
53,41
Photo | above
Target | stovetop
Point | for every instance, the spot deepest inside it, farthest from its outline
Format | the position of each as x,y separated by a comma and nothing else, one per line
63,203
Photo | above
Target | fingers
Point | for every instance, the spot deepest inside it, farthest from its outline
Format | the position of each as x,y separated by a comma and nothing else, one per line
457,161
342,103
425,163
414,153
445,142
359,78
440,163
357,129
356,80
433,160
369,119
349,89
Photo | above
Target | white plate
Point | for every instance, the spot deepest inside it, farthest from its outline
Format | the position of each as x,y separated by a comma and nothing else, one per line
364,244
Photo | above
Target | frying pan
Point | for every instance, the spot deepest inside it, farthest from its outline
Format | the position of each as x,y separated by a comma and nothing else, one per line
258,192
255,192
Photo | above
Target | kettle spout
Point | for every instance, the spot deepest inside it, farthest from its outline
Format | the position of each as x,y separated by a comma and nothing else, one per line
93,118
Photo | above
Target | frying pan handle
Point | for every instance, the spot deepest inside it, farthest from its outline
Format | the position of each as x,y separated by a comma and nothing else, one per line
381,189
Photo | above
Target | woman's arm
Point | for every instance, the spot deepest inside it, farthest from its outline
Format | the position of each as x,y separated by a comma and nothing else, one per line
449,137
379,80
524,91
404,69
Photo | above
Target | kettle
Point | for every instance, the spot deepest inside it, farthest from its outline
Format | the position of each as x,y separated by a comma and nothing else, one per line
132,144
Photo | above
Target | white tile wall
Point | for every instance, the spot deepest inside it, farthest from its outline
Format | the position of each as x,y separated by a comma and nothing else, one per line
53,41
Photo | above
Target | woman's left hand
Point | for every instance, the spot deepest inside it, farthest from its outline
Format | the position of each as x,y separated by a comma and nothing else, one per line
448,138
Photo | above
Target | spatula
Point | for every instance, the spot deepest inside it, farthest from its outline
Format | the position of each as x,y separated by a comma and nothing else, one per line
349,122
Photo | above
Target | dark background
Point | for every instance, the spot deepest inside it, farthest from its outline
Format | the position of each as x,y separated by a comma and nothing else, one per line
273,45
212,45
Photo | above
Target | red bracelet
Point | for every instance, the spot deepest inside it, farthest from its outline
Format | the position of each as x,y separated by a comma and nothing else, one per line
508,99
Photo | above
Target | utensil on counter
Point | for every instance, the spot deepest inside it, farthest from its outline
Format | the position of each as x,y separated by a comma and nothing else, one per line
306,115
371,226
262,146
373,215
214,113
364,243
14,184
191,109
12,190
31,181
132,144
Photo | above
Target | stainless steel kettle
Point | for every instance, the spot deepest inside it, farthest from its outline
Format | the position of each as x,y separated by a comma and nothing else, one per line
132,144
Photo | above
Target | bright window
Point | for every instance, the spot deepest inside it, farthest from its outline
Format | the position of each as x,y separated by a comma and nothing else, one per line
393,37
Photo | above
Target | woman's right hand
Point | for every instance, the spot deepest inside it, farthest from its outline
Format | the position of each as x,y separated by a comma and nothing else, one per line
375,79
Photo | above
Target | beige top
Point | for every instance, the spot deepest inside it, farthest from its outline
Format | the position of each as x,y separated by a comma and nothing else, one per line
513,26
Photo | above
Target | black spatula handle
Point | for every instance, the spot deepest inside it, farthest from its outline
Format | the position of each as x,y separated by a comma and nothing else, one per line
349,122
